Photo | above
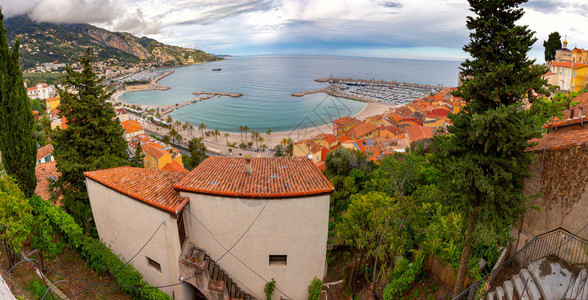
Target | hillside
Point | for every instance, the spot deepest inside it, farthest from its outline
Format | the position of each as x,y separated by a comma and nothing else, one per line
63,43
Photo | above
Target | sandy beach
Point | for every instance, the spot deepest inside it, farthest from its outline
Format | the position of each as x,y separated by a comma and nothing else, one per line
219,144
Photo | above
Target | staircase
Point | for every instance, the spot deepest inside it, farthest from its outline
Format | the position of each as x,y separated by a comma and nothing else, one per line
548,278
204,273
579,289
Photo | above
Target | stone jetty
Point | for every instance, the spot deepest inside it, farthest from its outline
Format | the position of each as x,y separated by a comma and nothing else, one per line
234,95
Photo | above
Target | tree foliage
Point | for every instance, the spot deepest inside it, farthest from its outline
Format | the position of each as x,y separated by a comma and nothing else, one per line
19,151
16,220
484,160
553,43
197,151
137,160
92,140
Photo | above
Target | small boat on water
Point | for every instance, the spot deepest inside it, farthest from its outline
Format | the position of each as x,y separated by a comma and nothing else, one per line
216,69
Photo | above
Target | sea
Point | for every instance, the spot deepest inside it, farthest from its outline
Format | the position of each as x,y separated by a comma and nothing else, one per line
267,83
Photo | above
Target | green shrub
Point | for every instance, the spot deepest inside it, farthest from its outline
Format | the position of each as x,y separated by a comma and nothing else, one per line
403,276
314,289
100,258
269,288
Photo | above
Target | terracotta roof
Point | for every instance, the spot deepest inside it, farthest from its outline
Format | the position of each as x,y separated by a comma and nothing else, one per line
548,74
344,121
567,119
329,138
155,152
272,177
344,138
568,64
417,133
174,166
362,130
54,112
312,146
45,172
131,126
120,111
560,139
154,187
44,151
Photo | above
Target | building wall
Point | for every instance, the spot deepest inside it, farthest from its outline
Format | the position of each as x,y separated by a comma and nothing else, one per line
296,227
560,177
126,224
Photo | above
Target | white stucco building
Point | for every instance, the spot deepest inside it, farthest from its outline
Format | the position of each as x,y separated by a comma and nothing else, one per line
222,230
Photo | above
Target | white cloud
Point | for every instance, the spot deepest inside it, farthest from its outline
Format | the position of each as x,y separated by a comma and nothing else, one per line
64,11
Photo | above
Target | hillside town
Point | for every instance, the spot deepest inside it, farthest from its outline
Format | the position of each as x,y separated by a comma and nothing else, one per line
472,192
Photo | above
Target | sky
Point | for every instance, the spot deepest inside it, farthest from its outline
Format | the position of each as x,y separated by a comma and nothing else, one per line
421,29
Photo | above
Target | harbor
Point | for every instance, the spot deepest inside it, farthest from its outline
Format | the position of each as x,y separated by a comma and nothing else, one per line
234,95
379,91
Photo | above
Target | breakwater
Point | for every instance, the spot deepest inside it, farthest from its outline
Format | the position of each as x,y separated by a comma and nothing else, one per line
351,81
234,95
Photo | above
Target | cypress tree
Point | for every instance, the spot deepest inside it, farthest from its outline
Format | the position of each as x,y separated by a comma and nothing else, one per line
552,44
19,151
484,159
92,140
137,160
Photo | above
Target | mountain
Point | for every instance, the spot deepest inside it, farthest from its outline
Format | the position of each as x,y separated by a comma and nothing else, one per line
63,43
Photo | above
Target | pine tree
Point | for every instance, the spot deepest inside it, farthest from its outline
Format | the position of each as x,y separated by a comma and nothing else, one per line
19,151
553,43
92,140
484,161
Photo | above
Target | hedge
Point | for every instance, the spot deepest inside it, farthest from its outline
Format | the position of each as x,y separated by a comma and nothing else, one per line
100,258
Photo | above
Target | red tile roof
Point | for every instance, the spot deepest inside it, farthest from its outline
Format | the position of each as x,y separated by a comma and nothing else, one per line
120,111
344,121
329,138
568,64
417,133
362,130
131,126
155,152
45,172
174,166
560,139
44,151
153,187
271,177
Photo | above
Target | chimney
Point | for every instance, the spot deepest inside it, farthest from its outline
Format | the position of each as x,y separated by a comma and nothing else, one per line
580,112
572,113
248,165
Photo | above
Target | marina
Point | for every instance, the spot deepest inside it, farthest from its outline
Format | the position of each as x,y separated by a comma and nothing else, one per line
391,92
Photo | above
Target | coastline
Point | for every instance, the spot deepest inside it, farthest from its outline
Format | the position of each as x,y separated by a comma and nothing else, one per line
218,144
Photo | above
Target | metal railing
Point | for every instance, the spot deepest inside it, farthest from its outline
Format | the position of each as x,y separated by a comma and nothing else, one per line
559,242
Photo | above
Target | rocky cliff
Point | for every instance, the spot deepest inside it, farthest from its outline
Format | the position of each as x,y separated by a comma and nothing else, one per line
62,43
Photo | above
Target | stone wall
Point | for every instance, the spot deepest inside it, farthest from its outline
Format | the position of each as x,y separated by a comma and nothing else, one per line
560,179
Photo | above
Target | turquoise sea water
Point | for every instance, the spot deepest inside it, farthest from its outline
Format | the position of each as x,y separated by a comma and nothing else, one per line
267,82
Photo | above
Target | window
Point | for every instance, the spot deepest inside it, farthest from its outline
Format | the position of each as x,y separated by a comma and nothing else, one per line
153,264
278,259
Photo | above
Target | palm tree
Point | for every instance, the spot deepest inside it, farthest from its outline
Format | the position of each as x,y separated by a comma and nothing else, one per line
169,119
216,134
246,129
264,147
191,128
260,139
241,131
268,132
202,127
254,136
185,126
227,135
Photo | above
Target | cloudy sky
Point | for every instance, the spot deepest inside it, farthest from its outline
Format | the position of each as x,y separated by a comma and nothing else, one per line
429,29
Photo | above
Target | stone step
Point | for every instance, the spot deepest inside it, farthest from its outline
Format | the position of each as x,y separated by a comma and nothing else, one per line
532,289
584,293
500,293
508,290
519,285
577,288
490,296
